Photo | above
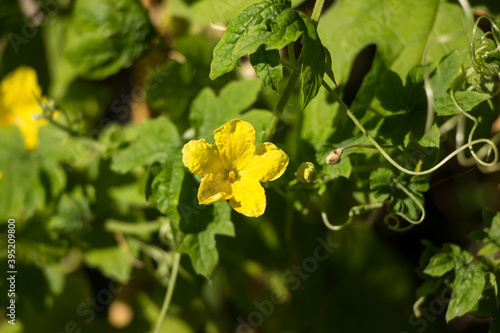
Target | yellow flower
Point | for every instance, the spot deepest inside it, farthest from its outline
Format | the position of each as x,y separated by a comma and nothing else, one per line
19,106
234,169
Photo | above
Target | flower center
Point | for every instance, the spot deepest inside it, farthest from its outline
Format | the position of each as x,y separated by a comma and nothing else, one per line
232,175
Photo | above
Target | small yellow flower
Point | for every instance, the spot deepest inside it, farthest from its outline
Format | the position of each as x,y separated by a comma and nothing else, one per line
19,106
234,169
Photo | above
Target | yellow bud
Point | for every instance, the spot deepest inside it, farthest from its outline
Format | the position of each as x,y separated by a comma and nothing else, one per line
334,157
306,172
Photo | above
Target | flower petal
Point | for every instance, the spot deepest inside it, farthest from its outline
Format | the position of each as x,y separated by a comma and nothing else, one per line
29,127
268,163
236,143
214,187
248,198
201,157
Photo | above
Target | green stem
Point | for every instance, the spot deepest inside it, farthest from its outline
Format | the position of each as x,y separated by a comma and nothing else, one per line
271,126
318,7
388,158
354,211
170,291
471,134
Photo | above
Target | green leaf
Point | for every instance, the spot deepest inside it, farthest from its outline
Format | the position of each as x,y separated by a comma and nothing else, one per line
494,230
489,248
259,120
21,189
313,61
195,226
467,288
381,179
439,265
107,35
384,182
209,111
73,214
267,66
112,261
328,65
317,121
200,246
270,22
55,277
431,138
446,72
401,31
164,184
402,115
204,12
174,85
487,304
146,143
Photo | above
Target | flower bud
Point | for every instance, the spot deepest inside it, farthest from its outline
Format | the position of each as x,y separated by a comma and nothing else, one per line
334,157
306,172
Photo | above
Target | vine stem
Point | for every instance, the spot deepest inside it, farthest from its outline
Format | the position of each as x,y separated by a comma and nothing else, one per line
439,40
271,126
318,7
354,211
170,291
389,159
273,123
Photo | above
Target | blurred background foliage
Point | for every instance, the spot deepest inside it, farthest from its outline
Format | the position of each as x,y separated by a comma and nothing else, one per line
92,253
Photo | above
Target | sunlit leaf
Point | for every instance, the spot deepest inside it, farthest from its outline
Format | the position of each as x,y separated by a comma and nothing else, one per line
107,36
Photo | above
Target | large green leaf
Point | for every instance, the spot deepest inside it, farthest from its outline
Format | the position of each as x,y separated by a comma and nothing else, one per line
107,35
270,22
267,66
446,72
400,29
494,229
401,32
195,226
200,246
146,143
313,61
403,106
209,111
467,288
439,265
21,188
317,120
